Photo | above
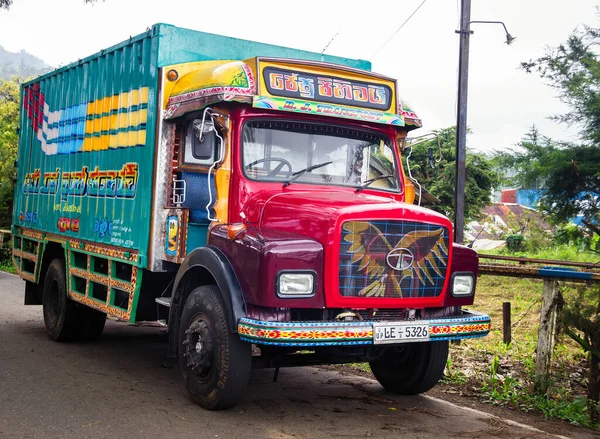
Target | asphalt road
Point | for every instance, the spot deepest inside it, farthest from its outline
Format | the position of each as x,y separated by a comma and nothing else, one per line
124,386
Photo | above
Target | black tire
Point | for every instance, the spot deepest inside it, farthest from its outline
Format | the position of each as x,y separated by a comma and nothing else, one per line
215,363
60,316
411,368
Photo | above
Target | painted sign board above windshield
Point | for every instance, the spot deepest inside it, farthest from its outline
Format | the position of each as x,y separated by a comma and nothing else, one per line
326,88
328,84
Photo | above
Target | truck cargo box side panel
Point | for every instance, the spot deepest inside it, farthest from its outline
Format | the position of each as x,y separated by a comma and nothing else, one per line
180,45
86,148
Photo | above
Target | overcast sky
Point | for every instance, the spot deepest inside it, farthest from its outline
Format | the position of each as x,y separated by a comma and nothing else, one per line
504,101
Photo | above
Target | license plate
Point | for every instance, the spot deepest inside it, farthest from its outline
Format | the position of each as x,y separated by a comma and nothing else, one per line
400,332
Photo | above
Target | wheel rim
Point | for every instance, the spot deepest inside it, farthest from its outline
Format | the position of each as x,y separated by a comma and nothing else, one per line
52,304
199,348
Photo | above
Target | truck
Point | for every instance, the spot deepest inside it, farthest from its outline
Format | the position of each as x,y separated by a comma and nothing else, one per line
249,197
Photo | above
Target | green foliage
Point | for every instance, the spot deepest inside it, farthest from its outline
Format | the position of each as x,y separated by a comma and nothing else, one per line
573,70
572,235
515,243
9,121
440,181
5,259
453,374
559,252
502,386
570,173
581,318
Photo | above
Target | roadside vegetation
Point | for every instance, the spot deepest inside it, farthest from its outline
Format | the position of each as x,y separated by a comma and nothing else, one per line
503,375
569,174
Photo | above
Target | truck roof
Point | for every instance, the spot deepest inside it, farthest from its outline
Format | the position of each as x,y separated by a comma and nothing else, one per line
178,45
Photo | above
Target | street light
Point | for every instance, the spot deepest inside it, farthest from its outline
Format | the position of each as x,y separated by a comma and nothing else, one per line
509,38
461,116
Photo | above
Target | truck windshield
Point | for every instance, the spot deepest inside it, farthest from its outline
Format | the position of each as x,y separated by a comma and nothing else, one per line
280,150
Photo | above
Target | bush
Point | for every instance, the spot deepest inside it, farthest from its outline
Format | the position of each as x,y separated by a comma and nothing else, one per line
515,243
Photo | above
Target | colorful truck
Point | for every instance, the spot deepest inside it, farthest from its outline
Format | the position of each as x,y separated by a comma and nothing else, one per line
248,196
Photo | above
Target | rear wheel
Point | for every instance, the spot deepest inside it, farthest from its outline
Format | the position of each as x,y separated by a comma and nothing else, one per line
214,361
412,368
60,316
65,319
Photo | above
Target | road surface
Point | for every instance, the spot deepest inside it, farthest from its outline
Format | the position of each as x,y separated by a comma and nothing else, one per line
124,386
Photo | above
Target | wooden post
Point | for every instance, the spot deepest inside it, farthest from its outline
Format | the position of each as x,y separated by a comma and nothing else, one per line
546,334
506,329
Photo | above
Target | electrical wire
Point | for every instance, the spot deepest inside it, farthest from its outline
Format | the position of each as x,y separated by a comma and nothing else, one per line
330,41
398,30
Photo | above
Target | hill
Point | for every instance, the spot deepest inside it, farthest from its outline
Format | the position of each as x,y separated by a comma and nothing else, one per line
21,64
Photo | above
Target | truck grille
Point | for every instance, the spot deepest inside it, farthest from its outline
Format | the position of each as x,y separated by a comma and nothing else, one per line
392,259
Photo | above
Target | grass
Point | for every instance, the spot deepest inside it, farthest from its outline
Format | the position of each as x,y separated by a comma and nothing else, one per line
561,252
504,375
7,265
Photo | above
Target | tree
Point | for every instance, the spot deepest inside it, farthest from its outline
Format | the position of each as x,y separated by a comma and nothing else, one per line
568,173
6,4
439,180
9,122
582,324
573,69
571,173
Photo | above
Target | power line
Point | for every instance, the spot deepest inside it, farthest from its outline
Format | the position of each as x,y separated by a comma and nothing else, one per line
401,26
330,41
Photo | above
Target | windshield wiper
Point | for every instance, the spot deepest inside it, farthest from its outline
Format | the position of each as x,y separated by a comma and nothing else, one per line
368,182
301,172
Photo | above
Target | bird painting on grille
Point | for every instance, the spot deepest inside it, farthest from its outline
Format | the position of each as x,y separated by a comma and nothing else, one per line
390,267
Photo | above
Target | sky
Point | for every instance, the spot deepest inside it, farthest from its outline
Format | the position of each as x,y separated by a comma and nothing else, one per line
504,101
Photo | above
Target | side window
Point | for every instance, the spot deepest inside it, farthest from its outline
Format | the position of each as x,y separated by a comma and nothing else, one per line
200,147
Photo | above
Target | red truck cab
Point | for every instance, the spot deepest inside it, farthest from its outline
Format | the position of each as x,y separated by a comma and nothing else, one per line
328,260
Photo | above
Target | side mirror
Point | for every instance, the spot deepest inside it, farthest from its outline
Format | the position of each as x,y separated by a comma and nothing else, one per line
204,140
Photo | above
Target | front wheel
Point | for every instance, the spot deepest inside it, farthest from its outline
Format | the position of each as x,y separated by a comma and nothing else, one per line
215,363
410,369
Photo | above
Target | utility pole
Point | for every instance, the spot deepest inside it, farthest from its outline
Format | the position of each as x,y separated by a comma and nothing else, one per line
461,121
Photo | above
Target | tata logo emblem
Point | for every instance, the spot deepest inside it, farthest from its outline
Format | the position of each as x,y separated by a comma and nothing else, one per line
400,259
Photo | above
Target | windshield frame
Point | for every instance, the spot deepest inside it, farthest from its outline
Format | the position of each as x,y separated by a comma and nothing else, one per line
388,139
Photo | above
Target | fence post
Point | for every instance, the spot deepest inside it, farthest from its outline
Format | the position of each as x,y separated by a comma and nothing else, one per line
546,334
506,324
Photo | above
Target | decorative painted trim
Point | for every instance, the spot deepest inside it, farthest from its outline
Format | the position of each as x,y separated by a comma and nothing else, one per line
104,280
80,245
31,233
324,109
437,330
18,255
471,325
96,304
105,250
25,255
27,276
228,91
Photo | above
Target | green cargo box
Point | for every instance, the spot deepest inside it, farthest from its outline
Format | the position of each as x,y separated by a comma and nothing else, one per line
88,138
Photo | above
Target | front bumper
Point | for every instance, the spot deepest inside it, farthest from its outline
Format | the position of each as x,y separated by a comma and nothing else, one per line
470,324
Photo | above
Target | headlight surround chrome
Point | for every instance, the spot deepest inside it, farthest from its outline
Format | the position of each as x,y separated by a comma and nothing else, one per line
296,284
463,284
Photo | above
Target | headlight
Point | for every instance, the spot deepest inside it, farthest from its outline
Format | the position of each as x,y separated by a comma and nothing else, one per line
462,285
295,284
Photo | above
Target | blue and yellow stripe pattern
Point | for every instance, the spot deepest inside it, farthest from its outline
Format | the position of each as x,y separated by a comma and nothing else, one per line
117,121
